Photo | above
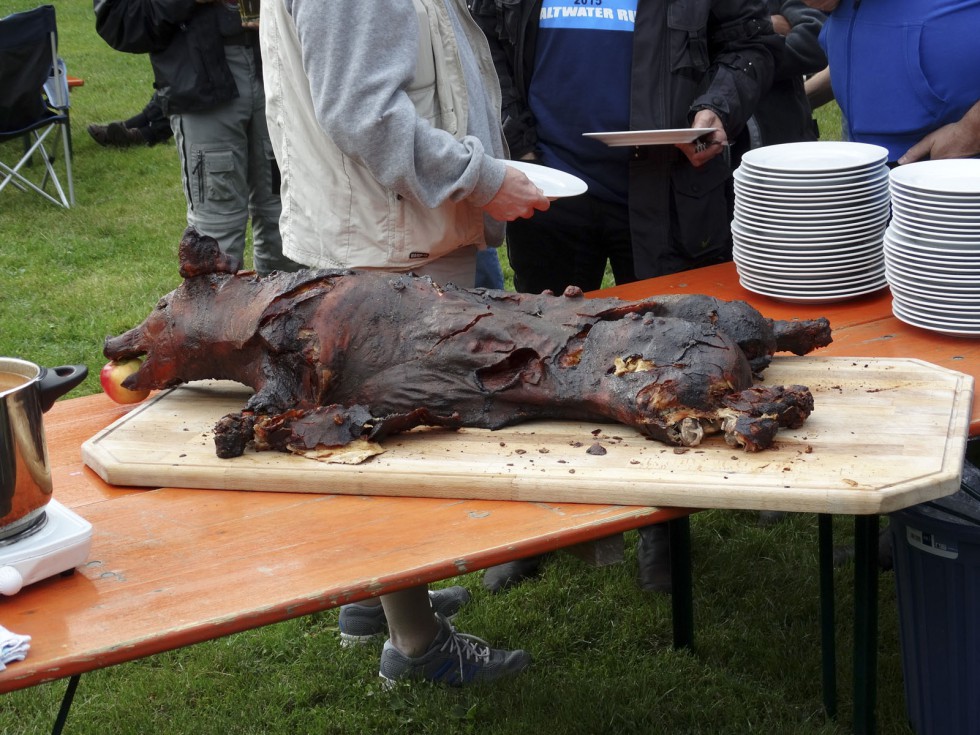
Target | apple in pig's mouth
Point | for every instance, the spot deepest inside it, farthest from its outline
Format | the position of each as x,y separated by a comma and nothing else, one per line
112,376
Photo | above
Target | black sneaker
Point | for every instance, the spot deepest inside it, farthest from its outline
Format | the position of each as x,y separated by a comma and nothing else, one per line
454,659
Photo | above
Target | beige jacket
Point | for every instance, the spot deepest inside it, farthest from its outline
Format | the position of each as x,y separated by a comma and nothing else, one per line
368,121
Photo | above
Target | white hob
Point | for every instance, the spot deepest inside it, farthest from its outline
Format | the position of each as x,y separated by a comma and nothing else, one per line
62,544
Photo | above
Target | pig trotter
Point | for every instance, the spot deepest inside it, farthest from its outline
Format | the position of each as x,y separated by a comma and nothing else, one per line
232,434
337,426
758,412
323,426
802,336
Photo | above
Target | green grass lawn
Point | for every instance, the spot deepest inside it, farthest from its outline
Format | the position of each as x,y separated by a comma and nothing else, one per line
603,661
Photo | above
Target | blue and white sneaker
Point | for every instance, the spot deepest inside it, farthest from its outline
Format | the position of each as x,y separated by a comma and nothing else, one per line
454,659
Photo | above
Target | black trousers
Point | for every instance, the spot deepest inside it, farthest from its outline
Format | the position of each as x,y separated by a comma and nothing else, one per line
151,121
569,245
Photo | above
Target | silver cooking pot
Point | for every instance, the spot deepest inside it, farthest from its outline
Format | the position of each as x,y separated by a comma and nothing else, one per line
26,392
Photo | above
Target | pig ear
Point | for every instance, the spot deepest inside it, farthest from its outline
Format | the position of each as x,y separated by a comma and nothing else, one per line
201,255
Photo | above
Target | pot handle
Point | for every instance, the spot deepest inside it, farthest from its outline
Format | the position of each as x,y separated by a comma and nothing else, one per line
55,382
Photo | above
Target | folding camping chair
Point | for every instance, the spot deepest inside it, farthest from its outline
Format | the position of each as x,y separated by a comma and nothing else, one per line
34,103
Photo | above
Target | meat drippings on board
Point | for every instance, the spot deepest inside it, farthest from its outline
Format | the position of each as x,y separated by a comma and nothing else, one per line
339,356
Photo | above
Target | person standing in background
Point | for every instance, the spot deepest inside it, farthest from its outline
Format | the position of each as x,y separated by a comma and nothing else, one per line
568,68
386,125
208,76
784,115
147,127
906,74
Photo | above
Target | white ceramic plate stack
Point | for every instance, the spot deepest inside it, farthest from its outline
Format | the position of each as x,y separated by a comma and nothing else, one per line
932,245
810,219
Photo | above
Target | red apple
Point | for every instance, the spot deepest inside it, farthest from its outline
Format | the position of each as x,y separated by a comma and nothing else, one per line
112,377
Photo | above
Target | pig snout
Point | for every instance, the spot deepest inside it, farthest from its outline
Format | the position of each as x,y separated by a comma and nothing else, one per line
125,346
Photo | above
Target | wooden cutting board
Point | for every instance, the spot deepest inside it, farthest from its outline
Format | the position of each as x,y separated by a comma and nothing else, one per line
884,434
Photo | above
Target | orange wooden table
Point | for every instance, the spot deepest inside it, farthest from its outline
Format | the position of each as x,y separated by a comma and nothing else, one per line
172,567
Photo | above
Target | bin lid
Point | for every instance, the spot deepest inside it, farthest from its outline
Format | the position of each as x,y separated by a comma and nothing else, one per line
962,507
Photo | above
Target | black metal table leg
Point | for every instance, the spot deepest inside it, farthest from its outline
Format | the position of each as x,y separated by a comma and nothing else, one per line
682,593
828,646
59,723
865,623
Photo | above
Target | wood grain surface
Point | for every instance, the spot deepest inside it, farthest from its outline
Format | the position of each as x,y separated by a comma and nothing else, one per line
170,567
884,434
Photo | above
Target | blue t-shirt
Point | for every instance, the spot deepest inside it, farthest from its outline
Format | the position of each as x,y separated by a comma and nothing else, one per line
581,84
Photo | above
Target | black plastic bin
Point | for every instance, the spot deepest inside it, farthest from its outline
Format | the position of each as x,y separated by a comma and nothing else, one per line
937,578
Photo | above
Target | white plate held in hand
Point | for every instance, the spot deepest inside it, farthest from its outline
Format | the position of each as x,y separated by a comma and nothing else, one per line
673,136
552,182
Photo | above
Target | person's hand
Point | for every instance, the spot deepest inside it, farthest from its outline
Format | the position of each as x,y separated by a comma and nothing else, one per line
707,146
957,140
517,197
781,25
827,6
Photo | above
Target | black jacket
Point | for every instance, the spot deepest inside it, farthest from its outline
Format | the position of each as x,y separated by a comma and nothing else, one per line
186,44
784,114
687,55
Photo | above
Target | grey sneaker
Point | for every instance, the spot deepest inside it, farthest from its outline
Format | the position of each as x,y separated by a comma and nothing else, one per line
454,659
361,623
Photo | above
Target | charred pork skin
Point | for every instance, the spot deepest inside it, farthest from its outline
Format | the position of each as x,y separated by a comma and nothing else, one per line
334,356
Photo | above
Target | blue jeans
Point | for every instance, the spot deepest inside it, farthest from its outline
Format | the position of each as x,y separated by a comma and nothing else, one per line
489,274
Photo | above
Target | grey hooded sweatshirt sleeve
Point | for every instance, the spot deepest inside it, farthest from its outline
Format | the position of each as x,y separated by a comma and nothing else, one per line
360,57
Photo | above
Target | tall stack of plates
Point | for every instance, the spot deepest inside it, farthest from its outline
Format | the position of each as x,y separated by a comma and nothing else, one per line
809,220
932,246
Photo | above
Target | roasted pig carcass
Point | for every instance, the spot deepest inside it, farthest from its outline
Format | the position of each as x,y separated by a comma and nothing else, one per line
336,356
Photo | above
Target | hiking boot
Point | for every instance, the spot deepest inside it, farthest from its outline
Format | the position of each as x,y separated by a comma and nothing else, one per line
653,557
99,133
361,623
453,659
503,576
116,135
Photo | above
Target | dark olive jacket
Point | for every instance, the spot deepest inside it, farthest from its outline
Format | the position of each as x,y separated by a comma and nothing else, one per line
687,55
